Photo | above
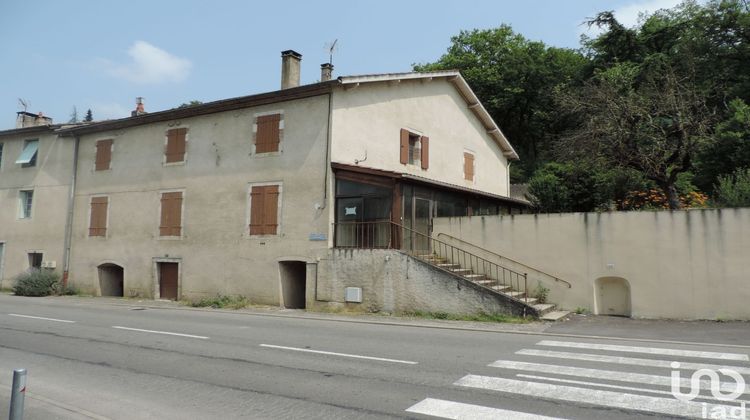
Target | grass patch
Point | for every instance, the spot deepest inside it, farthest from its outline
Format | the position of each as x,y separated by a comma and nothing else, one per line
480,317
221,302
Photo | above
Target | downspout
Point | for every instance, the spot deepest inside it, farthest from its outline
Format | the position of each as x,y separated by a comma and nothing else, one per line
328,149
69,219
508,177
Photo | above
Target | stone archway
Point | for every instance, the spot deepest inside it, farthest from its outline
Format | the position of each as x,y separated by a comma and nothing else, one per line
111,280
612,296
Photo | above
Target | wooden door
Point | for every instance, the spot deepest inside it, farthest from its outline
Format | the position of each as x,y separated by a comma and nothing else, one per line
168,274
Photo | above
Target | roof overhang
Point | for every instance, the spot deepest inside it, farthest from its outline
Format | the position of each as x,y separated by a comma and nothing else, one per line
424,181
453,76
231,104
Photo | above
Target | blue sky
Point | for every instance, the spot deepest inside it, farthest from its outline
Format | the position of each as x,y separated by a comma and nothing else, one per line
102,54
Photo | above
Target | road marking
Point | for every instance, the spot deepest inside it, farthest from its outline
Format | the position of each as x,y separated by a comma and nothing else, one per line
330,353
572,381
647,350
43,318
628,360
668,406
609,375
460,411
162,332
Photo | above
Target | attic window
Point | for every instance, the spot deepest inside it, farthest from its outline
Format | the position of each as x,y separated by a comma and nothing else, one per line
28,155
415,149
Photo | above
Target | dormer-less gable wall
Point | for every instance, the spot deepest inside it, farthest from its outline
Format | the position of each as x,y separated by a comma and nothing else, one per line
369,122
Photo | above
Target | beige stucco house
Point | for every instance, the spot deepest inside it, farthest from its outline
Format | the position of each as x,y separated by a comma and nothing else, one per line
251,195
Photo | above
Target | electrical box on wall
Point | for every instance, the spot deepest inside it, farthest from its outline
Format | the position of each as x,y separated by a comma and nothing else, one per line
49,264
353,294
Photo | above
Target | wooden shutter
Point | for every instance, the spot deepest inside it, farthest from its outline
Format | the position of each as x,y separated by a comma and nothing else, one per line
404,146
268,133
425,152
171,214
264,207
98,220
468,166
103,154
176,141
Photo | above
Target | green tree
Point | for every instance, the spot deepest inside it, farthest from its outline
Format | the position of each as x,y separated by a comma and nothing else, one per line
728,149
73,115
734,190
191,103
89,116
515,79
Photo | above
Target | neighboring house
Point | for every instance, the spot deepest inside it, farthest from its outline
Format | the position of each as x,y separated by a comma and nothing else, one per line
247,195
36,169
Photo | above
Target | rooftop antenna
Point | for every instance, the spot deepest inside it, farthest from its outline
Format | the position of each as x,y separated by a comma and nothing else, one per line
331,49
23,104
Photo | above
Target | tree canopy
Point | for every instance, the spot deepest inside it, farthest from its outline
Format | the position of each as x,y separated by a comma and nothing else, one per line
665,101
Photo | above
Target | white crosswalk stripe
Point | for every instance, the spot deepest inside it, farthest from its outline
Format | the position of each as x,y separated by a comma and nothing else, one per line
593,385
460,411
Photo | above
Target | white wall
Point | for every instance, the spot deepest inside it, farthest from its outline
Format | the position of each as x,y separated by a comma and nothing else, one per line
367,121
679,264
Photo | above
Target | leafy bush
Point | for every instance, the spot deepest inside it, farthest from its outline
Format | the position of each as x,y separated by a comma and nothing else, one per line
541,293
37,282
734,190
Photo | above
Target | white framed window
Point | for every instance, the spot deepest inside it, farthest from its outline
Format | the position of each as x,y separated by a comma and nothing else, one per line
28,155
25,203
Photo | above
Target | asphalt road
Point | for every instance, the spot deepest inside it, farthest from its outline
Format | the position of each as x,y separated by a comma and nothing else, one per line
92,360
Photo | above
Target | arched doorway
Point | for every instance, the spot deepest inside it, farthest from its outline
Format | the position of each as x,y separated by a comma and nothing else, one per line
111,280
293,276
612,296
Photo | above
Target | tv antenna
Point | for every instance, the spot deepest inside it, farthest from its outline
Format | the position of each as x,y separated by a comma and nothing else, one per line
331,47
23,104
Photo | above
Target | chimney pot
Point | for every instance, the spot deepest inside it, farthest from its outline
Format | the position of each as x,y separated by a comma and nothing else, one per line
139,109
326,72
290,68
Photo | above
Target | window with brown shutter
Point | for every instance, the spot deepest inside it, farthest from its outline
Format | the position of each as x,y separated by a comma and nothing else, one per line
176,145
268,133
103,154
264,208
171,214
404,146
414,149
468,166
425,152
98,218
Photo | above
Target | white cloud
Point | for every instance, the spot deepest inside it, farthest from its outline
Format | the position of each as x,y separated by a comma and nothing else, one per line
150,65
629,14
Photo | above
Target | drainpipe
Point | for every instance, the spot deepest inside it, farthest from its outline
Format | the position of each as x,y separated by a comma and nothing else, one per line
69,218
508,178
328,150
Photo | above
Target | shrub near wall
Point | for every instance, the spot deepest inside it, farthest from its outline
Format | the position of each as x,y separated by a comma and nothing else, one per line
36,282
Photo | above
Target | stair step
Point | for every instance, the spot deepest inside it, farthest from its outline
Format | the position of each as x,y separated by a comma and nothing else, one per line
501,288
474,276
484,282
448,265
555,315
543,308
530,301
513,293
461,270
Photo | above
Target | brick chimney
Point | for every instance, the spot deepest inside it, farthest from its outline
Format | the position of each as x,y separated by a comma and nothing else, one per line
139,109
326,72
290,63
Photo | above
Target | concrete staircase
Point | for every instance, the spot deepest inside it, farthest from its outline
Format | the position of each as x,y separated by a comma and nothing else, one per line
546,311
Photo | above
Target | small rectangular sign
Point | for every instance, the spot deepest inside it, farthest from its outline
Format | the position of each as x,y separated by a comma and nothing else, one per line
318,237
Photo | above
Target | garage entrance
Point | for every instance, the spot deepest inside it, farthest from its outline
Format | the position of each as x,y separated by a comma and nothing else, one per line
293,278
168,277
612,296
111,280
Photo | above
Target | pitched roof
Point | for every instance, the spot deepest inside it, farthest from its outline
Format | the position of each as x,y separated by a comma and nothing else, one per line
306,91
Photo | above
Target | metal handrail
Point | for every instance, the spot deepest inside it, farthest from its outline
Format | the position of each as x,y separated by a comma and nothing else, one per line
369,235
570,286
